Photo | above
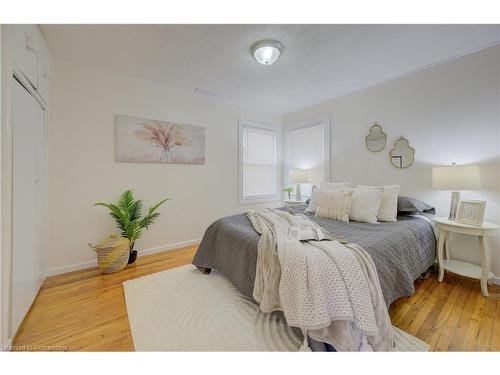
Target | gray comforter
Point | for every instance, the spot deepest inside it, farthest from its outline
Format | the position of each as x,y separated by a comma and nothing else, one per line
401,250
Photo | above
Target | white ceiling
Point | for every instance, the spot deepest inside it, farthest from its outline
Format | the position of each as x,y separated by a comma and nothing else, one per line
319,62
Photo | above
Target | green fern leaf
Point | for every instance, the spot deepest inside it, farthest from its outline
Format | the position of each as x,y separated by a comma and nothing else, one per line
155,207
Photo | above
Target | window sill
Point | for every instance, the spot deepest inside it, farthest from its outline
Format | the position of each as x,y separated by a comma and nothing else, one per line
257,200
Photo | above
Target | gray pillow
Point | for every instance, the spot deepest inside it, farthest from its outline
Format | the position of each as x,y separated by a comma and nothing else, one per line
407,205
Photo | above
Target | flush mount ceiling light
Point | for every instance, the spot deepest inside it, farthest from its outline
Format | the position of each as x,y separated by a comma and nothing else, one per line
267,51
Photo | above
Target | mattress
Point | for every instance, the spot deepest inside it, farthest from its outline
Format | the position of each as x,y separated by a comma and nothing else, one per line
401,250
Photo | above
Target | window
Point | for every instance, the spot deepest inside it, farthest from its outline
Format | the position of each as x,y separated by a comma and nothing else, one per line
307,148
259,148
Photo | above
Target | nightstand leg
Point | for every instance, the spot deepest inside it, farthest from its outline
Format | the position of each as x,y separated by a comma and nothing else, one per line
485,265
446,247
441,240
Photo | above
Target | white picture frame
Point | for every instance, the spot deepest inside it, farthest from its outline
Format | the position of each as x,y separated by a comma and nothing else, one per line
471,212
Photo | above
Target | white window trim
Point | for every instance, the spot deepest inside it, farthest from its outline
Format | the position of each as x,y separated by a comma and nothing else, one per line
287,129
279,140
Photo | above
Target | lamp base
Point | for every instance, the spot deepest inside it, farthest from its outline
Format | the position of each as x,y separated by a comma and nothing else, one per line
455,199
298,195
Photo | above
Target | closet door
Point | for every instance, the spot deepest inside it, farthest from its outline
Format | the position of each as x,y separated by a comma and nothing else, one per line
28,121
43,69
24,52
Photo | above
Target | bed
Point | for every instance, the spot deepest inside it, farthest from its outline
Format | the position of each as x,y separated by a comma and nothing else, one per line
401,250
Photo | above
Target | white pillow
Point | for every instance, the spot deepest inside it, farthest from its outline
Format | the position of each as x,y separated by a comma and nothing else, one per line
313,200
365,204
388,210
333,185
325,186
334,204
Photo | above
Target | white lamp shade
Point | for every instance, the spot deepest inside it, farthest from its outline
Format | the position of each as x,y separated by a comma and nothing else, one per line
298,176
456,177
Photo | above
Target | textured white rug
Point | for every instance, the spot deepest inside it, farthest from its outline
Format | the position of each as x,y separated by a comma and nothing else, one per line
184,310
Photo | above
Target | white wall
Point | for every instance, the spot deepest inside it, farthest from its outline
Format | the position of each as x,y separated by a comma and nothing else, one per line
448,112
82,169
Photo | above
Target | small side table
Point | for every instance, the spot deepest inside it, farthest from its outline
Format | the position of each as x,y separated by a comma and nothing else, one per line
482,273
293,202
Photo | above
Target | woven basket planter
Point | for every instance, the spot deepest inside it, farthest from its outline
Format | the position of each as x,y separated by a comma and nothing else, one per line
112,253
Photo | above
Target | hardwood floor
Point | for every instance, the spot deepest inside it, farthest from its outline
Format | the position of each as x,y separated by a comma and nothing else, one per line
450,316
85,311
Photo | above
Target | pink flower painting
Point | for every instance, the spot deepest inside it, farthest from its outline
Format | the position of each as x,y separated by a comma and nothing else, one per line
141,140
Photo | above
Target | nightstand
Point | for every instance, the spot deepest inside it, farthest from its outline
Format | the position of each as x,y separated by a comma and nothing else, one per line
482,273
293,202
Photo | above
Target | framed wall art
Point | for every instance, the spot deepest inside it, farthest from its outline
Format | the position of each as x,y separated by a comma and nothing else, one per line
154,141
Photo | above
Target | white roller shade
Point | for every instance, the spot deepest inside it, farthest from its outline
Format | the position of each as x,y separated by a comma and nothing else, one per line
259,162
306,150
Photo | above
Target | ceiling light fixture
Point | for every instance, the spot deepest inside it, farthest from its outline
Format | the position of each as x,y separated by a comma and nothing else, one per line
267,51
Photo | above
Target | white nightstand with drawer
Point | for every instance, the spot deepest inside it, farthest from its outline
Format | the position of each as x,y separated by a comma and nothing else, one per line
293,202
482,272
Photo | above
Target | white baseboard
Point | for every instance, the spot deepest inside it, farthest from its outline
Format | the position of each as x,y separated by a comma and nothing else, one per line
173,246
7,347
93,263
70,268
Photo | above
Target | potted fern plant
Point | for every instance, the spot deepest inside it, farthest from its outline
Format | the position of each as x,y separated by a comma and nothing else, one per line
127,212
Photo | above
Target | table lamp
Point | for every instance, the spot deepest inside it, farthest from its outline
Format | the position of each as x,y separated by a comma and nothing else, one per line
298,176
455,178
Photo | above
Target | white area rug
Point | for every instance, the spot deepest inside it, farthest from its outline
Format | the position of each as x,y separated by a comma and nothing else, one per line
184,310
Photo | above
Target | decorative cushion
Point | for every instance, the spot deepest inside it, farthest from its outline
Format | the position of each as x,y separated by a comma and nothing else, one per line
388,210
334,204
313,200
327,186
407,205
333,185
365,204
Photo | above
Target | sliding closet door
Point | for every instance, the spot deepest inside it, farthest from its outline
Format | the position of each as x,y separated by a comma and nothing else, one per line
28,120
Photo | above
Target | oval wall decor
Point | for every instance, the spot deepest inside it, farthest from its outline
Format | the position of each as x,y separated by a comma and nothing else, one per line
376,139
402,155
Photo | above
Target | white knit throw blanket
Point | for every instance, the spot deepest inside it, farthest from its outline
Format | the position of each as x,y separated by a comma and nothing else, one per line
328,289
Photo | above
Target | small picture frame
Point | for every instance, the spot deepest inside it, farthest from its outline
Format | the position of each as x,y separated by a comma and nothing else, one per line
471,212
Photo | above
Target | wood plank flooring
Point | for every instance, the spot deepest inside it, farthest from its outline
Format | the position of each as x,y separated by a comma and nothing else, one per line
85,311
450,316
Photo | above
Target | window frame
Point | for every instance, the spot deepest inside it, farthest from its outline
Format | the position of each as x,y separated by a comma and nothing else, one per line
242,124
